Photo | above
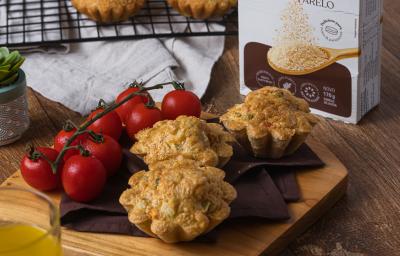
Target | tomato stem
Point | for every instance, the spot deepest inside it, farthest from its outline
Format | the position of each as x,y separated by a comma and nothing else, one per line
83,151
178,85
73,147
150,102
35,155
69,126
98,138
136,84
102,104
109,108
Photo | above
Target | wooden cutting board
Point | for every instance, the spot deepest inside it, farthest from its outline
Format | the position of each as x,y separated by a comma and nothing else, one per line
321,189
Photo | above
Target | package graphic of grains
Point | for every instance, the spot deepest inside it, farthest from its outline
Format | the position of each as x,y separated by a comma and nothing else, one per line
295,51
327,52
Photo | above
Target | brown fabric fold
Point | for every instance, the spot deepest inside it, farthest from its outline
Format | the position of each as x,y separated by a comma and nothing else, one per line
263,186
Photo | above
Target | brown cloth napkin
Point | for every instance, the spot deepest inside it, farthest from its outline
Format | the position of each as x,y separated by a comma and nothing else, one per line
264,186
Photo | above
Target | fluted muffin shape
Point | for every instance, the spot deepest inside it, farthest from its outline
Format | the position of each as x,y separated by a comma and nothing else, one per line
271,123
189,137
202,9
178,200
108,11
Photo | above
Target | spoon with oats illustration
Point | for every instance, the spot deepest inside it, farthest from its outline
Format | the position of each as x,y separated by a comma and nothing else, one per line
333,55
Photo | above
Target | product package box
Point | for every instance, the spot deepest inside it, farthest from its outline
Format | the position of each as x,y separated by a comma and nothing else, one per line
325,51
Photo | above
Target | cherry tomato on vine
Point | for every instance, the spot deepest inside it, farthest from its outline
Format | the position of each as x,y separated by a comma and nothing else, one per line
179,103
110,124
83,178
141,117
107,150
63,136
125,108
36,170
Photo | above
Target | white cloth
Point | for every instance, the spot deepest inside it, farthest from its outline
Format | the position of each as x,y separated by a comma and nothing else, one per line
90,71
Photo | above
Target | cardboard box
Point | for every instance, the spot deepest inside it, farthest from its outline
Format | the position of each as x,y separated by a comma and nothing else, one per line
344,90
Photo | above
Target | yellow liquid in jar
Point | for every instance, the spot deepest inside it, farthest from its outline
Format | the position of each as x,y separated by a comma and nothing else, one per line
25,240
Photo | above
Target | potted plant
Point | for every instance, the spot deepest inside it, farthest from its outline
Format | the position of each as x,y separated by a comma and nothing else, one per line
14,119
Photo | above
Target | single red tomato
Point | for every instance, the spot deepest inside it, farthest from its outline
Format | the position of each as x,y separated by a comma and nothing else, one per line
125,108
37,172
108,151
110,124
180,103
63,136
141,117
83,178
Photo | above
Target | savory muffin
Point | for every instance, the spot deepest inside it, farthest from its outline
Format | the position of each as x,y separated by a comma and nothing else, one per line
107,11
178,200
189,137
202,9
271,123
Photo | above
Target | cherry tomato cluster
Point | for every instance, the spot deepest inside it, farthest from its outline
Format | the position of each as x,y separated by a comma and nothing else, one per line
95,155
138,113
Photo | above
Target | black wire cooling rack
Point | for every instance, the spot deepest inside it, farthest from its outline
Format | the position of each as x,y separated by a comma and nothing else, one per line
47,22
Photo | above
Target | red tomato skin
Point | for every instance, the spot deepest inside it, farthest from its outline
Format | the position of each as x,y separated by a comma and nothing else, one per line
110,124
38,173
125,108
63,136
140,118
109,152
180,103
83,178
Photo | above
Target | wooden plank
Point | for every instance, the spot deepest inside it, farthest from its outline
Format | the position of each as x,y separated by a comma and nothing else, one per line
321,188
57,113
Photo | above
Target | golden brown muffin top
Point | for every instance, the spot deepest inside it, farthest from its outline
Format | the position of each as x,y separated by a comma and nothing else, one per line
105,5
108,10
178,196
202,9
209,2
271,110
189,137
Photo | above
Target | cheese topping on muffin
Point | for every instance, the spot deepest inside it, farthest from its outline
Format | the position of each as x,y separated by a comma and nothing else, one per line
189,137
178,200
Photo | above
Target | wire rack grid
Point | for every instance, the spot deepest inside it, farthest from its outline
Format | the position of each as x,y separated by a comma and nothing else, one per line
47,22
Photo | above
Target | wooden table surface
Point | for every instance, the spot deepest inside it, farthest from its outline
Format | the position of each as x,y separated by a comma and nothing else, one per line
366,221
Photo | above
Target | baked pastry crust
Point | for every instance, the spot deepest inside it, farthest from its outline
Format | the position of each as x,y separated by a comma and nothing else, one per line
178,200
189,137
202,9
108,11
271,123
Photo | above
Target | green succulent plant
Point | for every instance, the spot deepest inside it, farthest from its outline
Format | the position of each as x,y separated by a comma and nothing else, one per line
10,62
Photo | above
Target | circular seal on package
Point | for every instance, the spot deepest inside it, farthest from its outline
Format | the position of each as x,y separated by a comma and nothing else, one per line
264,78
331,30
287,83
310,92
